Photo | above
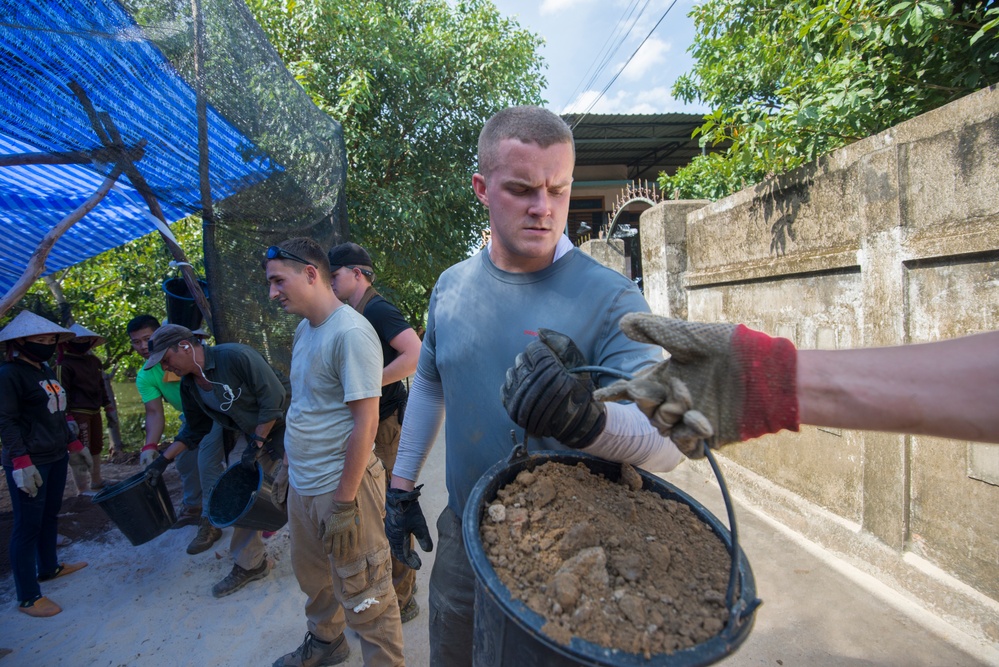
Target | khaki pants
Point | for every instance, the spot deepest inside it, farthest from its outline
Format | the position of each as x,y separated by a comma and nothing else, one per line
357,588
387,448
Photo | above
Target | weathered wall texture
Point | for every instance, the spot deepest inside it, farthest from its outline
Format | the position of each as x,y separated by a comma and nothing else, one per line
892,240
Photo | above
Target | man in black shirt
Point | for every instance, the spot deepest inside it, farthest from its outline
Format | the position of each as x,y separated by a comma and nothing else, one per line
352,275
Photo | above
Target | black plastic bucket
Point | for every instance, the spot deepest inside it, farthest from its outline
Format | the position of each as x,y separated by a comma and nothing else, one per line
141,510
242,498
181,308
508,632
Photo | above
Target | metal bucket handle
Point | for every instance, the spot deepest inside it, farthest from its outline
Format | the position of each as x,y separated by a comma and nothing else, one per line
736,612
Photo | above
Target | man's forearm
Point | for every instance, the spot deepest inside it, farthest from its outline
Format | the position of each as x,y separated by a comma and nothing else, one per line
354,465
946,389
155,423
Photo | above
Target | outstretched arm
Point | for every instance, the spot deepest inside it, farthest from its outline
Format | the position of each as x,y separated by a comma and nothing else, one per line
948,389
727,383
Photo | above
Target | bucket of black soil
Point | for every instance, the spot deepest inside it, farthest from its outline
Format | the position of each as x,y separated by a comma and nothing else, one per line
142,511
242,498
508,632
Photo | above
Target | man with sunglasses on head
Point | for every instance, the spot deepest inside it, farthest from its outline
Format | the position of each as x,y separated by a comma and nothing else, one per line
233,386
336,484
352,277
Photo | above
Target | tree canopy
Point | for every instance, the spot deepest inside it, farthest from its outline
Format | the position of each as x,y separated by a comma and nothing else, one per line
412,82
790,80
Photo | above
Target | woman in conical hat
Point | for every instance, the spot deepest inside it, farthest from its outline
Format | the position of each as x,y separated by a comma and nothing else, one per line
82,376
35,437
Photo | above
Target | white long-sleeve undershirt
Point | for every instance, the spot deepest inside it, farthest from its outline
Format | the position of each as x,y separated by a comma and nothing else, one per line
627,437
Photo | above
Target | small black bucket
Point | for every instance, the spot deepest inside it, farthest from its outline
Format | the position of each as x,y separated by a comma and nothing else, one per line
508,632
243,498
181,308
141,510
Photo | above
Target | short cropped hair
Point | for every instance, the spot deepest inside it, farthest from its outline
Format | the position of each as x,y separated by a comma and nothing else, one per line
310,250
140,322
529,124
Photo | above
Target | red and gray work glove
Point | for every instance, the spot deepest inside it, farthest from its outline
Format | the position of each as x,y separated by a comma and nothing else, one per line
338,531
148,454
404,520
722,383
546,400
26,475
80,459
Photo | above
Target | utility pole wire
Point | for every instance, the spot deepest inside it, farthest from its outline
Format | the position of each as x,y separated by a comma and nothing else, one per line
630,58
609,47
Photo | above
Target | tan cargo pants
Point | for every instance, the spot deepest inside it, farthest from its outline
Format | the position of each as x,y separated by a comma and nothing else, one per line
357,589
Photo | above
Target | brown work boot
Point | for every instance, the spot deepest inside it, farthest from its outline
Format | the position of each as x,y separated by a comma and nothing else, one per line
315,653
206,537
410,610
188,516
238,578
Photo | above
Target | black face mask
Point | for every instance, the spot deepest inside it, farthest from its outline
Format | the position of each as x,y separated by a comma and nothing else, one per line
37,352
78,348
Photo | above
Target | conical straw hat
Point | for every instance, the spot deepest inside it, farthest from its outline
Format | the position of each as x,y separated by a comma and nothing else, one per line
28,324
83,332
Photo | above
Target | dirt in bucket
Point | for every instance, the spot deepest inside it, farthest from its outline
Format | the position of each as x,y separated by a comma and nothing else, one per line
606,561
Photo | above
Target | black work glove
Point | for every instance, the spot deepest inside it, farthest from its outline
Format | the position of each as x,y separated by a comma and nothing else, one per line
155,469
250,454
543,398
403,517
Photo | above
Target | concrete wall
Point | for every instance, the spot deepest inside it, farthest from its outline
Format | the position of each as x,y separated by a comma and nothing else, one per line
891,240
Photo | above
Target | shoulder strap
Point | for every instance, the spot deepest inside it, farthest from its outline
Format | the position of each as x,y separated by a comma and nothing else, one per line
369,294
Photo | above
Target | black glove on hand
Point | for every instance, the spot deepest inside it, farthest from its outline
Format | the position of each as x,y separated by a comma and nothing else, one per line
250,454
403,517
155,469
543,398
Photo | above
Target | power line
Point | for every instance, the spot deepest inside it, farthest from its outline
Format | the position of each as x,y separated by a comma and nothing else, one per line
624,67
610,47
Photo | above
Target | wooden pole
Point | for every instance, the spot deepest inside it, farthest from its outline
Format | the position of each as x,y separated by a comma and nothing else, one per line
208,227
36,265
109,136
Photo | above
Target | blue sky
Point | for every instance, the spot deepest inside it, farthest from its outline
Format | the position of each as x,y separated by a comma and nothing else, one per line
581,34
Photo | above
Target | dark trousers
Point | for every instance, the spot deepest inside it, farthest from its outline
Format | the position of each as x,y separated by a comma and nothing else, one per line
452,596
33,540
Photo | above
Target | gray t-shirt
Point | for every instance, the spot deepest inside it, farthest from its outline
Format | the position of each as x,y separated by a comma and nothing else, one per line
482,317
332,364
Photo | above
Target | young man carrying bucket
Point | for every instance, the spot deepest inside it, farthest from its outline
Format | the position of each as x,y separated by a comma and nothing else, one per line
351,278
526,285
336,484
233,386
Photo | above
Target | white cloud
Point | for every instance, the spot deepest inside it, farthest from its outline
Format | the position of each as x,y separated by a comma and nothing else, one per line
556,6
633,101
651,55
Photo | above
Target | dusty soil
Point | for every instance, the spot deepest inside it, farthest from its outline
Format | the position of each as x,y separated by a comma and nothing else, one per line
79,518
606,561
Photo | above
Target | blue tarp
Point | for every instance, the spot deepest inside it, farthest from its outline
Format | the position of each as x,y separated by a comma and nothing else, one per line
95,43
